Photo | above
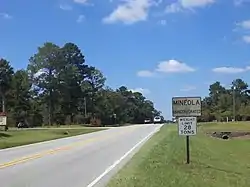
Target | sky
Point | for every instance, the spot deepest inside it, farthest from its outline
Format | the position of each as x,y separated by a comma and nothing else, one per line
162,48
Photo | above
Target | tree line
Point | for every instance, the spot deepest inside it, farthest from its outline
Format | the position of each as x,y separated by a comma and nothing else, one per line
224,104
58,87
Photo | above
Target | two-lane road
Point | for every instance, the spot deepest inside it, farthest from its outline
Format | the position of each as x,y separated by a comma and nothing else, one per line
82,161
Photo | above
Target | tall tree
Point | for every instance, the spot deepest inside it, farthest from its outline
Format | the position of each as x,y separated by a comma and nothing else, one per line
221,102
95,82
6,73
72,75
43,69
20,94
59,87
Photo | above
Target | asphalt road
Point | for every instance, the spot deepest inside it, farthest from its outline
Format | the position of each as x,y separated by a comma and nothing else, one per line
82,161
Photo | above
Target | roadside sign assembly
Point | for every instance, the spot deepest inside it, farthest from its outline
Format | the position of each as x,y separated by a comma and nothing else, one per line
187,126
186,109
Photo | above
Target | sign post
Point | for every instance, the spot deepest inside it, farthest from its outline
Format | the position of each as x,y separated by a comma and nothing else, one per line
188,149
186,109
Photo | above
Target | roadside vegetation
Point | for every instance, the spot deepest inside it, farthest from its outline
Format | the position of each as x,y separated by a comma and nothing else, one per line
226,102
214,162
14,138
60,87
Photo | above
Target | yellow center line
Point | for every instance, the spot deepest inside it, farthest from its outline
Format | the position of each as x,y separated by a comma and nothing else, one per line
44,153
32,157
60,149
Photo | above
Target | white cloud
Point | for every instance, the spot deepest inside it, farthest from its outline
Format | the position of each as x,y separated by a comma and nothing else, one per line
246,39
144,91
5,15
80,18
65,7
173,66
244,28
244,24
195,3
84,2
145,73
180,5
240,2
173,8
170,66
230,70
131,11
81,1
40,72
163,22
188,88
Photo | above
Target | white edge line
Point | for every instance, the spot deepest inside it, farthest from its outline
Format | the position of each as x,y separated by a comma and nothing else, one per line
94,182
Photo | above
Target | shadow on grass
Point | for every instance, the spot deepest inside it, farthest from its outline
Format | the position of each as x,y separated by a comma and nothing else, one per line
195,165
4,135
219,169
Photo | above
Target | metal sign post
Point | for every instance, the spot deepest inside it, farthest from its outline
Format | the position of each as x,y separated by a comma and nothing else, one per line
188,150
187,109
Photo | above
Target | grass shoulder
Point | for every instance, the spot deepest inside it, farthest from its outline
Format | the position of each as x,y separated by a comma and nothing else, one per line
20,137
214,162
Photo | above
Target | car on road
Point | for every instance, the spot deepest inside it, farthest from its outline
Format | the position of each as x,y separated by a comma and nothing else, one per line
157,119
147,121
22,125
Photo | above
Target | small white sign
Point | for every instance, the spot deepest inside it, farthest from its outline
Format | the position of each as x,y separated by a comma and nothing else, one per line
3,120
187,126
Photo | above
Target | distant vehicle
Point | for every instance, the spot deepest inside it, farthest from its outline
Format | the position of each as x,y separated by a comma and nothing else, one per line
157,119
146,121
22,125
174,120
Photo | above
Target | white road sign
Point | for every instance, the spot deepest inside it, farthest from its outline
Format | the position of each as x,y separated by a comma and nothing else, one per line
187,126
186,106
3,120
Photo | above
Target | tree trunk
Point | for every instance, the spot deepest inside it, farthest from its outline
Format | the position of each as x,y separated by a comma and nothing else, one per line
3,102
50,99
71,118
50,108
3,108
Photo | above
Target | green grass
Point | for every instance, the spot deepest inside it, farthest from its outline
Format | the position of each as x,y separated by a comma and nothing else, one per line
19,137
232,126
214,162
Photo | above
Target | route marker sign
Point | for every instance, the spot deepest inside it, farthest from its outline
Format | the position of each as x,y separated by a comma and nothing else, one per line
187,126
186,106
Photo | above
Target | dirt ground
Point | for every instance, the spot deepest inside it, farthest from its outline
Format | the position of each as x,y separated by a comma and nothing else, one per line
230,135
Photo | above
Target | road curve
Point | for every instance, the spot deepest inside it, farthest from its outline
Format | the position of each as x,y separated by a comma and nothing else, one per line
87,160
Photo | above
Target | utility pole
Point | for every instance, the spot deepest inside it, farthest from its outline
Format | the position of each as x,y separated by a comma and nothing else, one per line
85,107
234,102
114,115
